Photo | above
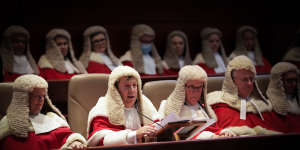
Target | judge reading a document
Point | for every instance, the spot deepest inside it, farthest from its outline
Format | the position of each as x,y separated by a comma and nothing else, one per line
187,100
119,116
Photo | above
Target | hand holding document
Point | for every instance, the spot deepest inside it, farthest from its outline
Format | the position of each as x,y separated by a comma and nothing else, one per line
176,128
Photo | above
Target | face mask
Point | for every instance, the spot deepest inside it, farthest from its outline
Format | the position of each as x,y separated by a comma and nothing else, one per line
146,48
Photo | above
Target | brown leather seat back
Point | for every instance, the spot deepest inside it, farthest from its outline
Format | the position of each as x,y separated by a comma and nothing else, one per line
6,90
157,91
83,94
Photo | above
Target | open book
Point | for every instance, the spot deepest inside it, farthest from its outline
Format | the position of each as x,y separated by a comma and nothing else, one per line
175,128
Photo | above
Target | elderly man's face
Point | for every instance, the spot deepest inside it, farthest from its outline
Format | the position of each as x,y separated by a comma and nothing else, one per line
36,100
128,89
193,91
290,80
243,79
19,44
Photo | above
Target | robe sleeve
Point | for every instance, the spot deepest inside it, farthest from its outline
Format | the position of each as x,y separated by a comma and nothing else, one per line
104,133
266,68
95,67
10,77
52,74
209,71
127,63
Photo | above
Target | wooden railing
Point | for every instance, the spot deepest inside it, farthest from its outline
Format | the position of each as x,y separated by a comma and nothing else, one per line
272,142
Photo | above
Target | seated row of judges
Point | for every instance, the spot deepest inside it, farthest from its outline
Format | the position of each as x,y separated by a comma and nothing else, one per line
59,61
239,108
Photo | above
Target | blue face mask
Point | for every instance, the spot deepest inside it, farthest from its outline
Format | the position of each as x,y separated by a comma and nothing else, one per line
146,48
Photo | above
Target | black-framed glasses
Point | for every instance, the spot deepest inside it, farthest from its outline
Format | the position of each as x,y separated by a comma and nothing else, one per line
98,41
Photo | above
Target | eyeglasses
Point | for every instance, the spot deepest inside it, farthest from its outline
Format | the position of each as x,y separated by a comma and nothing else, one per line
194,88
130,87
98,41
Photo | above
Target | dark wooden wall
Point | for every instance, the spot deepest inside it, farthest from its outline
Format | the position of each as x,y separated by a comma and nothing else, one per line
275,34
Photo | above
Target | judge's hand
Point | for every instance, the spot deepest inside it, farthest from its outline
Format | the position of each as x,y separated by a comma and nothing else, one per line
76,145
227,134
145,130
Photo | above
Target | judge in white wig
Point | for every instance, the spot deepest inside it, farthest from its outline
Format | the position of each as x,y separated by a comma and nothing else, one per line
16,55
240,106
177,54
59,61
26,127
187,100
143,55
213,57
247,44
97,55
118,117
284,92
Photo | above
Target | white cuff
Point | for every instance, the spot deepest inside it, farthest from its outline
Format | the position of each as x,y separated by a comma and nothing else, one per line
131,137
72,138
205,135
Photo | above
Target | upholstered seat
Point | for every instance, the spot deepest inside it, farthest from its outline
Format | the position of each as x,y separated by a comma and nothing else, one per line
5,97
83,93
157,91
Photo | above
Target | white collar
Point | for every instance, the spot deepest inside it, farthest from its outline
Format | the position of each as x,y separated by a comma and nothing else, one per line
149,64
181,61
107,61
243,109
132,118
221,66
251,55
70,67
43,124
294,107
193,112
21,65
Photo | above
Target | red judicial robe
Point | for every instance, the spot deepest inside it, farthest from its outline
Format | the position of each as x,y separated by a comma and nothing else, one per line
46,141
199,60
229,117
99,126
49,132
11,77
293,122
101,123
227,113
129,63
52,74
97,64
265,69
171,72
95,67
48,72
209,71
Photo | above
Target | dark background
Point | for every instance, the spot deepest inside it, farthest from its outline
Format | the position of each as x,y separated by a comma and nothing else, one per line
276,24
